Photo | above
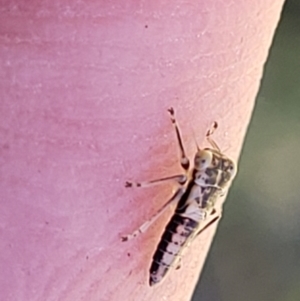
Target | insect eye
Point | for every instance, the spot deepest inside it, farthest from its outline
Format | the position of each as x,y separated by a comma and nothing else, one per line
202,159
231,169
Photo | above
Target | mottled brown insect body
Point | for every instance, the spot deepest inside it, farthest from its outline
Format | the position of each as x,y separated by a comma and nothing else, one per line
201,185
197,202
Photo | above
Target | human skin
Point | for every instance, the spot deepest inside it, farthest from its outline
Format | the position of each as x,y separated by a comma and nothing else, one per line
85,88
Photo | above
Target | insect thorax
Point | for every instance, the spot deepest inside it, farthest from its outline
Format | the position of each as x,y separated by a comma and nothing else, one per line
213,169
212,177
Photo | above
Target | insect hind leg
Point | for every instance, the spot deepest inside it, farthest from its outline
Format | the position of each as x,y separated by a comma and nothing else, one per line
144,227
211,222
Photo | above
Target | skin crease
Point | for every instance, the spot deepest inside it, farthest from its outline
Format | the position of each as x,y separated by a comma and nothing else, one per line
85,88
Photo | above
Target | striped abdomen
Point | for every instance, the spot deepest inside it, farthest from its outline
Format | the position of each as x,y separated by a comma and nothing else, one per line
175,237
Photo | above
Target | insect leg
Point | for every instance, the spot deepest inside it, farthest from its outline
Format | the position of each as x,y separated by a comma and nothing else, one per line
178,264
180,179
143,228
184,161
209,223
210,133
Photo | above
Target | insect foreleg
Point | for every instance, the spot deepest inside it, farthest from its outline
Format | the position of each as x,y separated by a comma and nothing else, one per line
184,161
143,228
180,179
209,134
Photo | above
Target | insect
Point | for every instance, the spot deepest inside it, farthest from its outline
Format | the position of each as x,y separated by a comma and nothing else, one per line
199,188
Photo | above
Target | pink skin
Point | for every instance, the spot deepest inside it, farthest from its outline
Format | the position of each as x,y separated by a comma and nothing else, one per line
85,87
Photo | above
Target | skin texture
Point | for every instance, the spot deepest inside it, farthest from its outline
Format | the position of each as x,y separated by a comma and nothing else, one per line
85,88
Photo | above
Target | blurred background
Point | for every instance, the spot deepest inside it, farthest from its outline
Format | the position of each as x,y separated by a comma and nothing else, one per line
256,251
